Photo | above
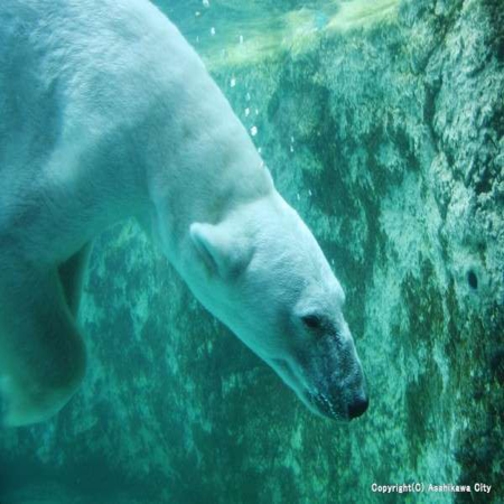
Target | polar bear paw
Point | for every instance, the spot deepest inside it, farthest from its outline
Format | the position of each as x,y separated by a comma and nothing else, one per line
25,404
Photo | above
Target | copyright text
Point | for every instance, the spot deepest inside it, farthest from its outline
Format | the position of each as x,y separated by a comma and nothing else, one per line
430,488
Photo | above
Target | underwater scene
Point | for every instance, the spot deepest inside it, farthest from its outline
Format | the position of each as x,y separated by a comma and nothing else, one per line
172,330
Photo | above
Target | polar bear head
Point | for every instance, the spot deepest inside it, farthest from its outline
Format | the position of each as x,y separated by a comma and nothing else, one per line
264,275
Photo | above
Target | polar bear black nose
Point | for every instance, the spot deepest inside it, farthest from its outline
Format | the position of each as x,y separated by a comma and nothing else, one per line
358,406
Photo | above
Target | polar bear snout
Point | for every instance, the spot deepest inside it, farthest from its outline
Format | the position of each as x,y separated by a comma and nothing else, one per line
336,387
358,406
358,402
341,403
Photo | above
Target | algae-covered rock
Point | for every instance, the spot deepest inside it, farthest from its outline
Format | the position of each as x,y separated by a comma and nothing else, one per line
388,137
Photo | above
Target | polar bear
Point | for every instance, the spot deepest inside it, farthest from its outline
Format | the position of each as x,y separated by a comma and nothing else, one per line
107,112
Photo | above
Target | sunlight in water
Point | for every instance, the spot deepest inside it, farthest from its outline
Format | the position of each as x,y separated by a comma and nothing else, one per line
256,37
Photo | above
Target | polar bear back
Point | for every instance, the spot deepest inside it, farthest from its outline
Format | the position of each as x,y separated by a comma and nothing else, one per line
96,85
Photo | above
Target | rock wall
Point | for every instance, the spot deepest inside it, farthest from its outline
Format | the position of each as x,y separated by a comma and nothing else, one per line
389,140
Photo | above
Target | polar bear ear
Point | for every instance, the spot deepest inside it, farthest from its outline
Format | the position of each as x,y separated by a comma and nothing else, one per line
223,253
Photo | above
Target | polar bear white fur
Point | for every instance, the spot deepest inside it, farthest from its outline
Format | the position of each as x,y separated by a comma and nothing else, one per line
107,112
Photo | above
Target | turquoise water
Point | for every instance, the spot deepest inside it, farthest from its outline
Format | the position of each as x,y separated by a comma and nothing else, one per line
382,124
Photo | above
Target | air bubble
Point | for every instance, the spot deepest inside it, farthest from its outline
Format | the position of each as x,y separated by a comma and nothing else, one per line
233,82
247,112
206,3
212,31
253,131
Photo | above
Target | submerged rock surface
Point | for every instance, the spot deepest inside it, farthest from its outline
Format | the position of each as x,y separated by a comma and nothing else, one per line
389,140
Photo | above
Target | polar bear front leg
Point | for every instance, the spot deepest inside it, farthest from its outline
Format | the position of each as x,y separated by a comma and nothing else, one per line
42,355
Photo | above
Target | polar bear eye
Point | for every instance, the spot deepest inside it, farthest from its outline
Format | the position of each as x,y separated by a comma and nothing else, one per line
311,321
